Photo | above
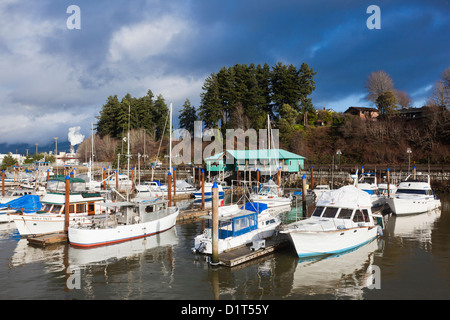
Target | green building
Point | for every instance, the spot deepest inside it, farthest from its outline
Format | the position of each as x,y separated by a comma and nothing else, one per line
267,161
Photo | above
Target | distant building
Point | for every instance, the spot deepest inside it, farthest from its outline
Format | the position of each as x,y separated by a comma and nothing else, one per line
363,113
418,113
263,160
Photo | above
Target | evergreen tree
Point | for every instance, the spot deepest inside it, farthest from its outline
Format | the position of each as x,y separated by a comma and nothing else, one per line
107,124
188,116
210,110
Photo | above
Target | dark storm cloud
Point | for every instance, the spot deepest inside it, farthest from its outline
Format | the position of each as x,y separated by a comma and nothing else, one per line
170,47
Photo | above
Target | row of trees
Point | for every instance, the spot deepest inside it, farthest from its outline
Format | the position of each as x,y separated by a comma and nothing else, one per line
145,113
382,92
243,95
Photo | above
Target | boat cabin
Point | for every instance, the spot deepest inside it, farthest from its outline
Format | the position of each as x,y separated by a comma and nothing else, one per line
143,211
57,184
233,226
355,215
81,201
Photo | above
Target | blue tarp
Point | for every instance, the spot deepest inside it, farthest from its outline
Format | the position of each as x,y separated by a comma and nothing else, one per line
255,206
29,204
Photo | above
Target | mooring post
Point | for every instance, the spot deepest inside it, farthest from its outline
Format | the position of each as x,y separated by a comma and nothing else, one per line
304,195
215,224
66,207
174,182
3,182
388,183
203,189
169,191
312,179
257,180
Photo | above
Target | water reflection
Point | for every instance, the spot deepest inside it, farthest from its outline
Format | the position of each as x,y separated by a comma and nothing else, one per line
342,276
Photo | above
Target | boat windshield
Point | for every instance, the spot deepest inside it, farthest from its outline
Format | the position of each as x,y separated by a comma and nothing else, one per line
345,213
268,191
318,211
330,212
412,191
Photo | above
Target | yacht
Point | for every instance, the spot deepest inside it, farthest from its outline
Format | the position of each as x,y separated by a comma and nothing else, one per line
414,195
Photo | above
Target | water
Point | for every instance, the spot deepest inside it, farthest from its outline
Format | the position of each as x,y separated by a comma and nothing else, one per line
412,258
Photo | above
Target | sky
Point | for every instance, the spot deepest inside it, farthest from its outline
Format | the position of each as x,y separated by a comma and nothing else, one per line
54,77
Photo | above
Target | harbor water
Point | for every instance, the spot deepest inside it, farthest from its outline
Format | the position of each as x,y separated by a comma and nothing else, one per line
410,261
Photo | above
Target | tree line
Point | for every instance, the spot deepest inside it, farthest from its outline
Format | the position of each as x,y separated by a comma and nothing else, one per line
241,96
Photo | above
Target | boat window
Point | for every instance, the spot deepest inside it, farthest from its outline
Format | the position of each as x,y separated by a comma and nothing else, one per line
56,208
72,208
47,207
366,215
330,212
270,221
318,211
358,217
149,209
411,191
345,213
81,207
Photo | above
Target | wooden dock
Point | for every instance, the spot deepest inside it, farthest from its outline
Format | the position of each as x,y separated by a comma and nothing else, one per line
244,254
48,239
192,214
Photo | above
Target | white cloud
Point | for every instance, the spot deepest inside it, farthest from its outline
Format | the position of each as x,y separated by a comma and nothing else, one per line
146,39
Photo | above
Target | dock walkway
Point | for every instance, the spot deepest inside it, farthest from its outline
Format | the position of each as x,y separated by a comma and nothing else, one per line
243,254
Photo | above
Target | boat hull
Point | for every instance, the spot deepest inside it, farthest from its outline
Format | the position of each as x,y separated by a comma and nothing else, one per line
34,224
203,242
408,206
311,243
89,238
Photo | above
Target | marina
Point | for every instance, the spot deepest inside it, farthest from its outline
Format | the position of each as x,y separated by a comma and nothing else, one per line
163,266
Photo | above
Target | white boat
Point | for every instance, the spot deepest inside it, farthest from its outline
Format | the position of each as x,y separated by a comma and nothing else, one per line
271,194
51,218
124,182
414,196
151,189
341,221
237,227
16,193
133,220
319,189
208,192
383,188
25,203
368,183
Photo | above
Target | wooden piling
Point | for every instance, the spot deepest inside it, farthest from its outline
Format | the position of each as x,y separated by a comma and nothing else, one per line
66,206
388,183
3,182
203,189
174,182
169,191
304,193
215,224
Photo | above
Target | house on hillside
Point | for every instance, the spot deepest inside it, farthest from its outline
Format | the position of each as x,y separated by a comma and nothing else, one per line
363,113
265,160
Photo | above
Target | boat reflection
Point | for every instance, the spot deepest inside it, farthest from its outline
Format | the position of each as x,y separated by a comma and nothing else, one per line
414,227
343,275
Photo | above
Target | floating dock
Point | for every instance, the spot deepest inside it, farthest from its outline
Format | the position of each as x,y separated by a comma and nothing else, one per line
244,254
191,214
48,239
